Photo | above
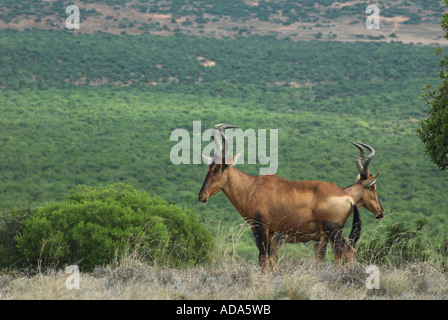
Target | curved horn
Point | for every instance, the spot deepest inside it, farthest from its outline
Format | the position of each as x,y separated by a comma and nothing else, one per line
365,168
220,153
359,157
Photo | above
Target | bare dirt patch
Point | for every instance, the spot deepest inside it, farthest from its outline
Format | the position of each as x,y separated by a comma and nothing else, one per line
126,19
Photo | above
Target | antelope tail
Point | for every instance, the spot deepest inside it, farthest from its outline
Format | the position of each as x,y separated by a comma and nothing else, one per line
356,227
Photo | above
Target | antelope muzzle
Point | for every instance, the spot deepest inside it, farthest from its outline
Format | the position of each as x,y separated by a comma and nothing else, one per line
202,197
380,215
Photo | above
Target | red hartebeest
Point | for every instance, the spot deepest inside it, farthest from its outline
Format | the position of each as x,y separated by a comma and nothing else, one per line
363,192
281,211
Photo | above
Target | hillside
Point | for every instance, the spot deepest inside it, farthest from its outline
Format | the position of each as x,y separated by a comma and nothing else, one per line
101,110
407,21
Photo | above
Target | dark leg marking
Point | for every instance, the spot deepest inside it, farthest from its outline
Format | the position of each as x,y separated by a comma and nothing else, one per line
341,247
320,247
356,227
260,235
262,241
333,230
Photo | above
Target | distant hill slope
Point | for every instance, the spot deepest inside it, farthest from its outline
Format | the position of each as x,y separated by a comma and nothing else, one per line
408,21
61,59
100,108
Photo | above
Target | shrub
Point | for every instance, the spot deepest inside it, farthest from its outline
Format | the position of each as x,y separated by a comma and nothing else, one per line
93,226
400,245
11,224
433,130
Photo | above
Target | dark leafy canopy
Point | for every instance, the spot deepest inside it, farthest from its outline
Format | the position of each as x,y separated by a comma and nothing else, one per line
61,59
434,130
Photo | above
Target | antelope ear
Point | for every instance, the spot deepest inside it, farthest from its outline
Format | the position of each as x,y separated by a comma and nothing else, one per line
234,160
207,159
371,181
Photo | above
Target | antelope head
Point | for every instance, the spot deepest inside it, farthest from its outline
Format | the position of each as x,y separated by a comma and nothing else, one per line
369,196
216,177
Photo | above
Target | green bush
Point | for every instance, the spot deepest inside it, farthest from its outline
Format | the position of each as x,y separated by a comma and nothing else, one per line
401,245
11,224
93,226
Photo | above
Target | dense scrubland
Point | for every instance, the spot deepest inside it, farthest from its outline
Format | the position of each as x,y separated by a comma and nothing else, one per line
60,128
98,109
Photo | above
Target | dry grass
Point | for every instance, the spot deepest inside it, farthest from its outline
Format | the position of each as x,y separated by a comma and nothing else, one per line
230,276
132,279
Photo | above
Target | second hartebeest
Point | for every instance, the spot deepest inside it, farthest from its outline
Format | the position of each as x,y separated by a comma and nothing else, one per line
280,210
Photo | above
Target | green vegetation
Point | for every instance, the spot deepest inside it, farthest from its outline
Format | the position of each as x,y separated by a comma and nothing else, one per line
39,10
61,59
402,245
99,109
433,131
94,226
85,146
